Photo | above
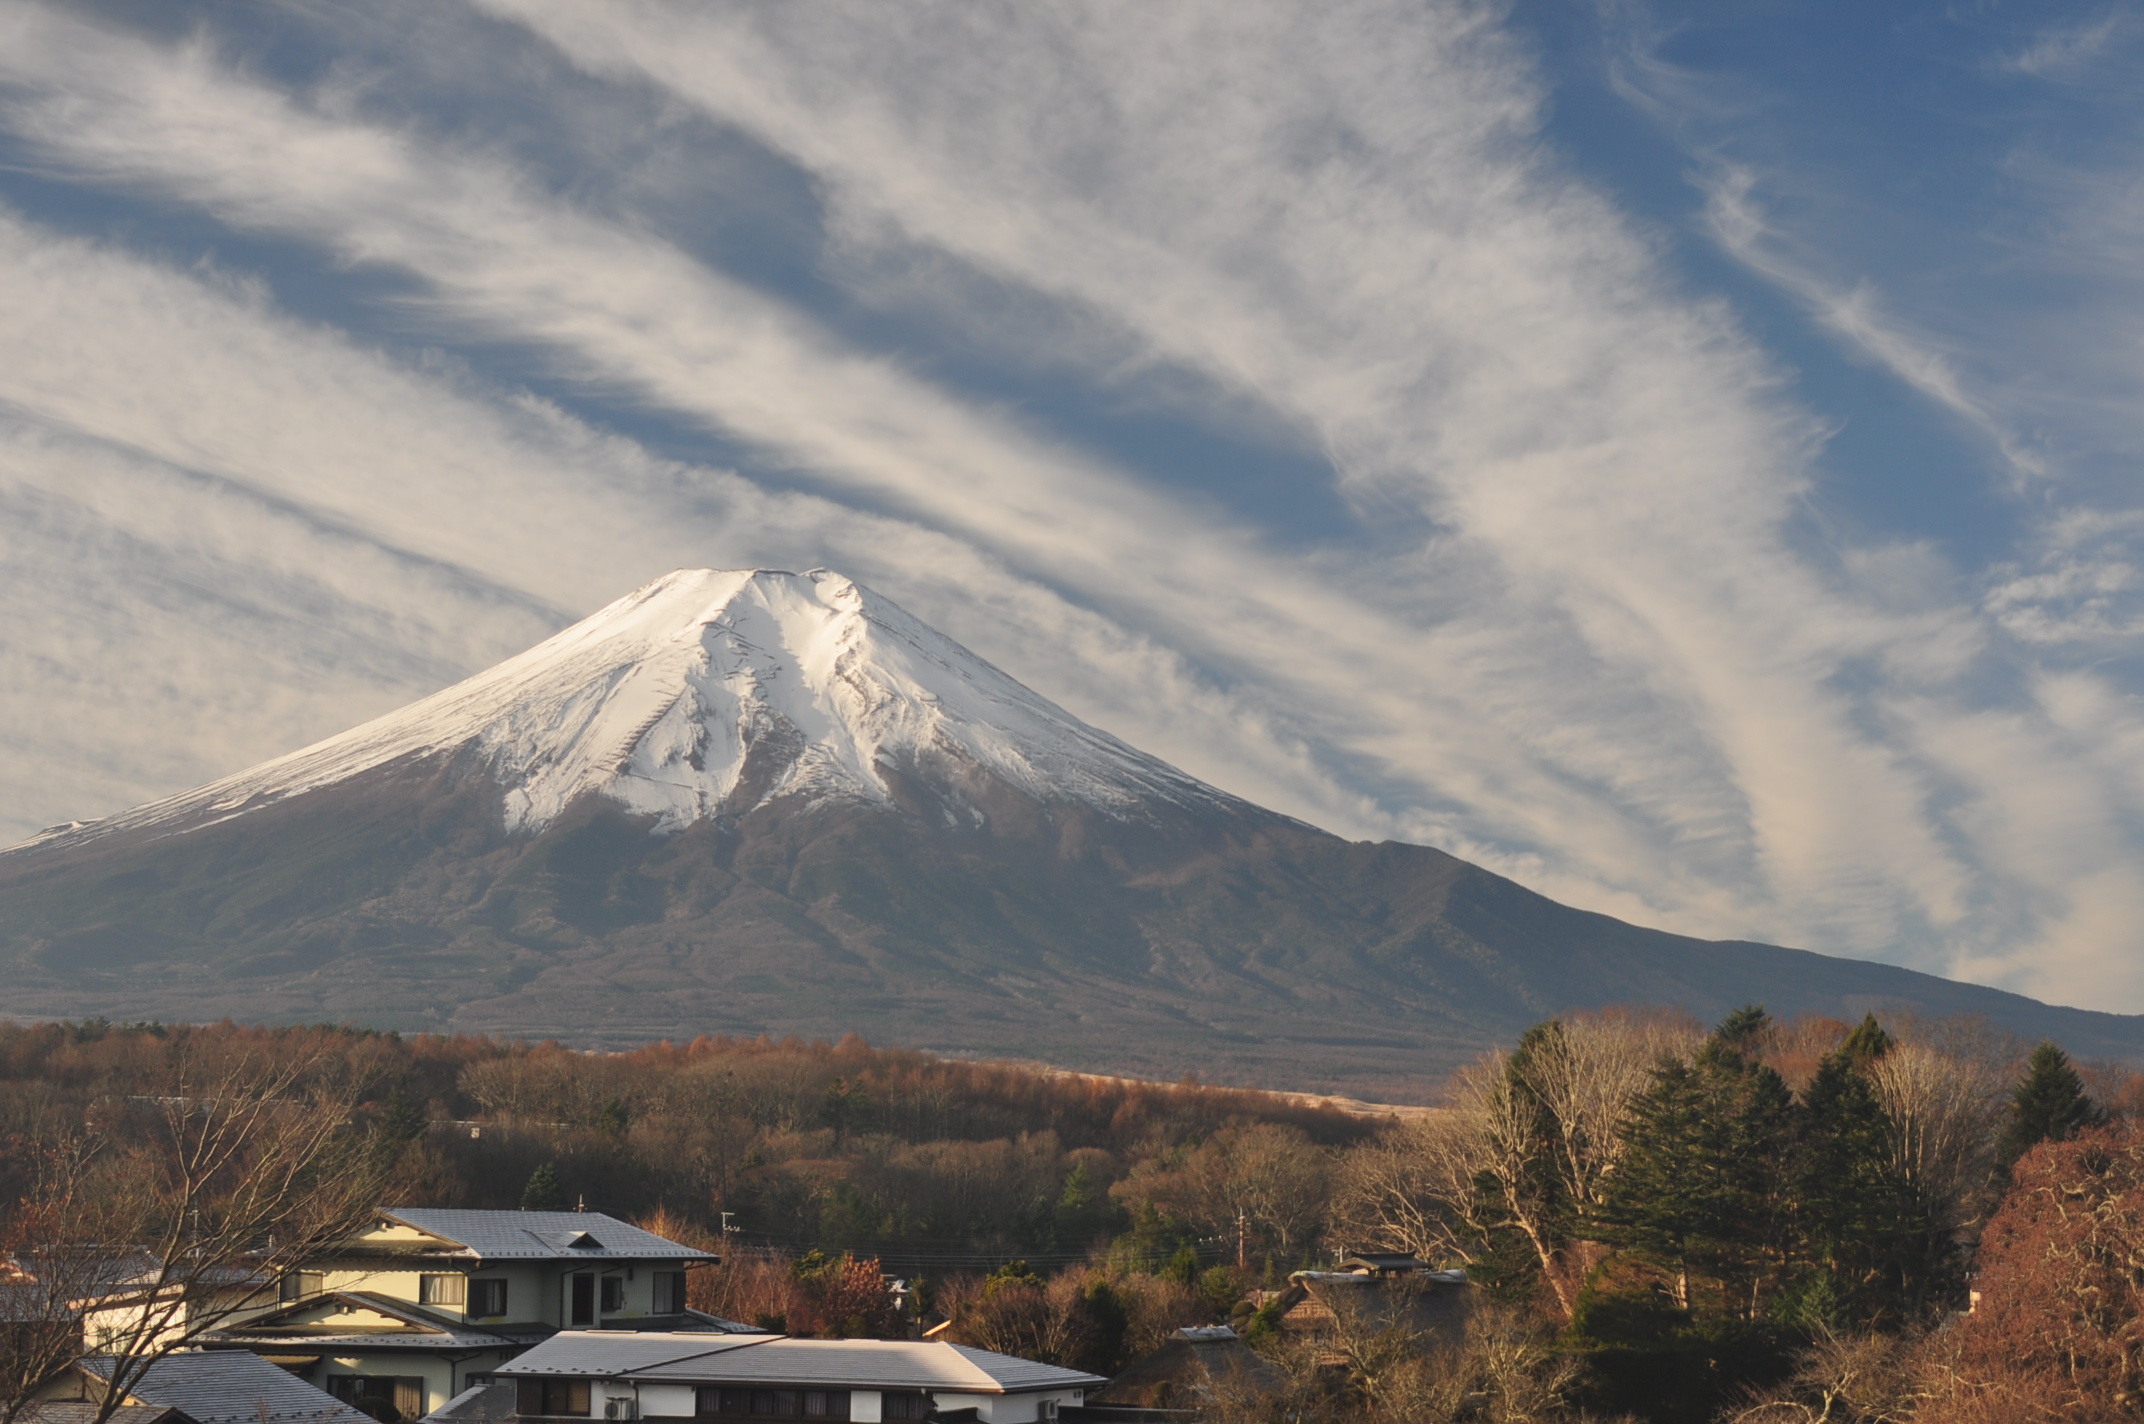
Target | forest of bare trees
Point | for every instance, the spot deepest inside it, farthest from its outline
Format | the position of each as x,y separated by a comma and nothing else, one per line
1758,1221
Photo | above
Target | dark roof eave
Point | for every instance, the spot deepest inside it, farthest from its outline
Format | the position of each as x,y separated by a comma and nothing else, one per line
330,1344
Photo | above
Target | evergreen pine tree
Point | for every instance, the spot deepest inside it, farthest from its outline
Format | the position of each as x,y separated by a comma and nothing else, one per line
1701,1194
1870,1252
2050,1105
542,1193
1082,1212
400,1120
1867,1043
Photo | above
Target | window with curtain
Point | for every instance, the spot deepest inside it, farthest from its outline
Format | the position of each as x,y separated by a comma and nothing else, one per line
487,1298
441,1290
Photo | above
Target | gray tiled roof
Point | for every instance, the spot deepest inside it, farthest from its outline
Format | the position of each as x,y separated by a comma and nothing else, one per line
615,1352
80,1411
32,1301
478,1404
421,1329
543,1235
1012,1372
769,1359
232,1387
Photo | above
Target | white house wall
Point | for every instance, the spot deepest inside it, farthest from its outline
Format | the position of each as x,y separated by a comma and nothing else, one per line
669,1401
1011,1408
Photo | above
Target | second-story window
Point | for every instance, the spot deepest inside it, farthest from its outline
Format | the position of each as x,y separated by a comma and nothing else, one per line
441,1290
487,1298
669,1292
613,1294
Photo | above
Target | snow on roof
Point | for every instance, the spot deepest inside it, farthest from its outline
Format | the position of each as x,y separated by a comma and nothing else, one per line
772,1359
542,1235
231,1387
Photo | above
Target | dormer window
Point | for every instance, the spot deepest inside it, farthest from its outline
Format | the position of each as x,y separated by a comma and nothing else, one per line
582,1241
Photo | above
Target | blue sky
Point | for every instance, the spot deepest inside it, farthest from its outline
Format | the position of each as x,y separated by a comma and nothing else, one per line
1681,456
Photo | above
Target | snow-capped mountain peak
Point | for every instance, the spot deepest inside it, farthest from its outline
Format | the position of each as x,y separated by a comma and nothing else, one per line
710,692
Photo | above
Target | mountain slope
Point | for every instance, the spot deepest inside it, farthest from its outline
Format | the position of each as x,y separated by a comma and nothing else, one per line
771,802
708,693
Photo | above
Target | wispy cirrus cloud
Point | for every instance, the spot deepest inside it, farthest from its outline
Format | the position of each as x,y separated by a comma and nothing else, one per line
2064,50
1854,313
1578,627
169,429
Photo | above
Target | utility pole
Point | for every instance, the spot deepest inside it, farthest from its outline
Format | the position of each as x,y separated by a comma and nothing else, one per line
1243,1225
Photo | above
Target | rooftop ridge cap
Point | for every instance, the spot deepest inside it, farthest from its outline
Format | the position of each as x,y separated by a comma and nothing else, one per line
968,1352
744,1344
960,1353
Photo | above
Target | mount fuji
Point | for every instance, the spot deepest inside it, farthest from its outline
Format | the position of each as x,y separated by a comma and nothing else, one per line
756,801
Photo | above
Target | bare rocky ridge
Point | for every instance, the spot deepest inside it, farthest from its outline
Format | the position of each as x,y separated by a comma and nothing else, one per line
746,802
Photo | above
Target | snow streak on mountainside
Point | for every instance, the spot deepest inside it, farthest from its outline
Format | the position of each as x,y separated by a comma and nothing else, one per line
710,692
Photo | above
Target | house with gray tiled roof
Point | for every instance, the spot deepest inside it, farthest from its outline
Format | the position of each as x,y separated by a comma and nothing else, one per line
426,1302
203,1386
770,1379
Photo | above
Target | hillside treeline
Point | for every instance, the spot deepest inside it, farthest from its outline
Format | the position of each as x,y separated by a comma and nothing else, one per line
1760,1222
928,1163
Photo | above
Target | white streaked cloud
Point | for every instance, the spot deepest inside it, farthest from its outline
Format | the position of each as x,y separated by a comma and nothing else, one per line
1853,313
1582,634
2062,51
173,428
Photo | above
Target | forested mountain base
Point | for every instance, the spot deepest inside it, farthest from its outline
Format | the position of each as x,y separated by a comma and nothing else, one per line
1763,1222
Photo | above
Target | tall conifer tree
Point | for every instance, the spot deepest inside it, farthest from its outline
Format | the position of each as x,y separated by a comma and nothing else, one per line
1703,1190
2050,1105
1870,1249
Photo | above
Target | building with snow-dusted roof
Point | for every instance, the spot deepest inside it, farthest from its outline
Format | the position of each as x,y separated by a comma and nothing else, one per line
770,1379
425,1302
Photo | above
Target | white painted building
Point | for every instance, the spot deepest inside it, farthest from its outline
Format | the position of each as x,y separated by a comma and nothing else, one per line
770,1379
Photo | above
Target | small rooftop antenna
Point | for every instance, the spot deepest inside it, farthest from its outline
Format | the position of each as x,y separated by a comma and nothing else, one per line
580,1202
